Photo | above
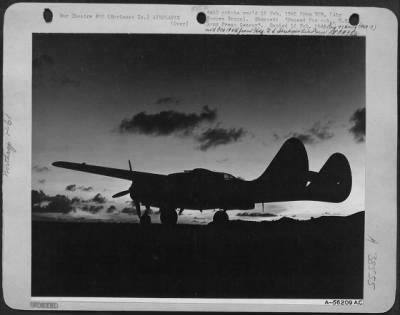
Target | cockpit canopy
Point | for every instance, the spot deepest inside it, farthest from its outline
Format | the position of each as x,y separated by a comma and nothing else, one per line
203,171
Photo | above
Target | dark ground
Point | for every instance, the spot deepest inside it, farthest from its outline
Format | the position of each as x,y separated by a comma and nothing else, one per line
320,258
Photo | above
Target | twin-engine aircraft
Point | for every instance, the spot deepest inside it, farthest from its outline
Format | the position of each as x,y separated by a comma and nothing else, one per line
287,178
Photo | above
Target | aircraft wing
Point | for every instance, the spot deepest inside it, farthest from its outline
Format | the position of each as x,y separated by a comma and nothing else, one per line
108,171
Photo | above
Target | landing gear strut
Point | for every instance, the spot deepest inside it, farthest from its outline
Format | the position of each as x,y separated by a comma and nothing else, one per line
144,218
220,217
168,216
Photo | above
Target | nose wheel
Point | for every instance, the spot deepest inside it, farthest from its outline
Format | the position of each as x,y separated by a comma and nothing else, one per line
220,217
168,216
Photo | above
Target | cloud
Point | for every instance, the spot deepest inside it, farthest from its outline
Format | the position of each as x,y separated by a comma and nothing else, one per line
358,128
85,188
305,138
111,209
54,204
42,203
40,169
71,187
93,209
167,122
99,198
38,196
74,187
42,61
128,210
77,200
316,134
214,137
169,100
256,214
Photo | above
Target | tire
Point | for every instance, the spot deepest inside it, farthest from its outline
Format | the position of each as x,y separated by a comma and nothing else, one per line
220,217
145,219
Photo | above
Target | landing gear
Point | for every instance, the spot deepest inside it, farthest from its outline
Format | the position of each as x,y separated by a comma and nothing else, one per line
145,219
137,206
220,217
168,216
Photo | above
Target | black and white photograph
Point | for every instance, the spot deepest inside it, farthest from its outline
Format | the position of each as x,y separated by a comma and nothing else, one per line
198,166
163,157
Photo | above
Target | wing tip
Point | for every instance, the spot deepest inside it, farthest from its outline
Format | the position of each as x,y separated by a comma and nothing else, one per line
65,164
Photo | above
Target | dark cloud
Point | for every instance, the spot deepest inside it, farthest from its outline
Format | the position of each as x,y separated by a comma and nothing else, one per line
74,187
62,204
169,100
214,137
358,128
111,209
70,80
77,200
85,188
71,187
316,134
92,208
40,169
256,214
41,181
128,210
55,204
38,196
99,199
167,122
42,61
59,203
305,138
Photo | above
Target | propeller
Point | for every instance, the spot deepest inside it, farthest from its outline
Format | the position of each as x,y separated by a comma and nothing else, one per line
120,194
124,192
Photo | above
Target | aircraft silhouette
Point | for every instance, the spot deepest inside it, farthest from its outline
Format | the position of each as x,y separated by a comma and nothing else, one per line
287,178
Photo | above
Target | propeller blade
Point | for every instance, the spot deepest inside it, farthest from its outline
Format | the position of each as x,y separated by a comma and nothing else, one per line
121,193
130,165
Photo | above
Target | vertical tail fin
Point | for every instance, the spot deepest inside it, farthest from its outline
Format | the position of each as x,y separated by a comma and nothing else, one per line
286,175
333,182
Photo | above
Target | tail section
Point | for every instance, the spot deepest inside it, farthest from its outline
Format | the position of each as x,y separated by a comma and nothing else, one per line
286,176
332,183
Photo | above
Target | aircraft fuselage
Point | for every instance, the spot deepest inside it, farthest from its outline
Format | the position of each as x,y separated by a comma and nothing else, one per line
198,189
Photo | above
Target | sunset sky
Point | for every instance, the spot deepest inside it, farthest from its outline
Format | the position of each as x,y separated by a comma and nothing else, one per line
176,102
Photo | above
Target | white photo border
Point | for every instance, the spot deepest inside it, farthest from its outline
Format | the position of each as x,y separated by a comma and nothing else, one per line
23,19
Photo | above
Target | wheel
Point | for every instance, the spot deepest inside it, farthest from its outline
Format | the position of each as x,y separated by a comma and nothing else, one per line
145,219
220,217
168,216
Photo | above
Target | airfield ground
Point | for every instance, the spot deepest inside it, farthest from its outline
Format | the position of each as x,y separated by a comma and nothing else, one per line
319,258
